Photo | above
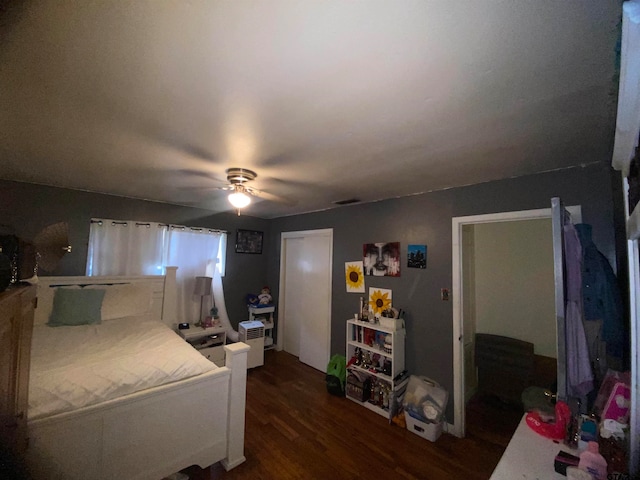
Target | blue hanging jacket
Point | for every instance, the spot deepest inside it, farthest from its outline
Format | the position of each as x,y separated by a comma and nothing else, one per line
600,293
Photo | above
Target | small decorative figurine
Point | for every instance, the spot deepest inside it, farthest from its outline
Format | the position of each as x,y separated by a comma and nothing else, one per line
206,322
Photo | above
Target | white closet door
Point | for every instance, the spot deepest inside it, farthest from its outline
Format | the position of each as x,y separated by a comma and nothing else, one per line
305,295
315,325
294,302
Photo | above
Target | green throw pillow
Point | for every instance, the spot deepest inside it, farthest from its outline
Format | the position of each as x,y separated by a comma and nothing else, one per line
76,307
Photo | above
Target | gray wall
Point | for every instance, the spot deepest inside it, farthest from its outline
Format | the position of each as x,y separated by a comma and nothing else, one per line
26,208
420,219
426,219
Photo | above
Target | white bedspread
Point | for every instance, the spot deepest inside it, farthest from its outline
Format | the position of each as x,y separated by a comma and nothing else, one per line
74,367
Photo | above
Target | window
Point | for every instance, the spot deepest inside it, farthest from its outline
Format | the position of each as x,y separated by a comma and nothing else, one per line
146,248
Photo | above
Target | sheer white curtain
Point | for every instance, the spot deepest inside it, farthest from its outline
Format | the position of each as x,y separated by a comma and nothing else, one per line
125,248
194,251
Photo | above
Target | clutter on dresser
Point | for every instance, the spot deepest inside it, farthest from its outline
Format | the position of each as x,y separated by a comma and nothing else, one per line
25,257
596,445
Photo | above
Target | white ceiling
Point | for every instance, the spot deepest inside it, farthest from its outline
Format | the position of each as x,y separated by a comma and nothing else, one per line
325,100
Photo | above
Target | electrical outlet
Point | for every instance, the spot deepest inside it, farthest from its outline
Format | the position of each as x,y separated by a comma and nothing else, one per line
444,294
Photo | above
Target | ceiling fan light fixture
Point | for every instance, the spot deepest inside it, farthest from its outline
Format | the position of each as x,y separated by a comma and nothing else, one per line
239,199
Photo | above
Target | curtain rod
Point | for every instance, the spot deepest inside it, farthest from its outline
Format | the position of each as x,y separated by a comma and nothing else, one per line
145,224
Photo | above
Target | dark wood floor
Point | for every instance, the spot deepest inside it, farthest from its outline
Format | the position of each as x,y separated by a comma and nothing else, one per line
296,430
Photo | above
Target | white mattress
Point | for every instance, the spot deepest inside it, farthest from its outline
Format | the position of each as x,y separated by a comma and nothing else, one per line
74,367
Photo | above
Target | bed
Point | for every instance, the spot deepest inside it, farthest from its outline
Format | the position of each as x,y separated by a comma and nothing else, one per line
125,397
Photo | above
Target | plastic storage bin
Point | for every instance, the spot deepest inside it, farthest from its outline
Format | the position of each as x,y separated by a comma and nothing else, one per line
430,431
424,404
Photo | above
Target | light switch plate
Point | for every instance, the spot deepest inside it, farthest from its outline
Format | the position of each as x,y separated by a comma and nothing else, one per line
444,294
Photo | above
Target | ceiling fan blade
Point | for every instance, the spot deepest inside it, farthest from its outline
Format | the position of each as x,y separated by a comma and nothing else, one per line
271,197
188,172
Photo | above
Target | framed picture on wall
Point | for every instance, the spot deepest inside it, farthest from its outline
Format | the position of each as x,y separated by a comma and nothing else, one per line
248,241
417,256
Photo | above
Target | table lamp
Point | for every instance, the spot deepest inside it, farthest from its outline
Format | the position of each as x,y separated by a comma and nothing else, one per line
202,288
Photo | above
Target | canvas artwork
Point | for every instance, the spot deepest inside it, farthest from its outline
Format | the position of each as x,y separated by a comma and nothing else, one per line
354,277
249,241
379,300
417,256
381,259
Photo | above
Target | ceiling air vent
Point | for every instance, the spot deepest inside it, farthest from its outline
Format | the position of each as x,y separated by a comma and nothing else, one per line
347,202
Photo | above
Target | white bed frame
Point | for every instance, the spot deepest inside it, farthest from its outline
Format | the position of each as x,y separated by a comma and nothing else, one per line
150,434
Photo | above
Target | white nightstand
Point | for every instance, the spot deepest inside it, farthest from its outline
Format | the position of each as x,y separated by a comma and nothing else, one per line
208,341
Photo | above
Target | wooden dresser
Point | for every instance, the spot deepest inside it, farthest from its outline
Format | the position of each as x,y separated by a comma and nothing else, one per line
17,305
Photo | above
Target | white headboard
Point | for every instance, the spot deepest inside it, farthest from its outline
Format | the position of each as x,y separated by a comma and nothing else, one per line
163,287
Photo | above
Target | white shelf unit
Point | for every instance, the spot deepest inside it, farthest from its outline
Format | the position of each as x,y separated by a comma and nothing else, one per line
370,338
265,315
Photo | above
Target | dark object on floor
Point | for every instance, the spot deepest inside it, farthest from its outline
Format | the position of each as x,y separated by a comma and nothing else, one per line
336,375
505,366
334,387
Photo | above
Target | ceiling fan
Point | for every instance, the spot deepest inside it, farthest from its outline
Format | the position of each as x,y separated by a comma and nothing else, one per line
241,193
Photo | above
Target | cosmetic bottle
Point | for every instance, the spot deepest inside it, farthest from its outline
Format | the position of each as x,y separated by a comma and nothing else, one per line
592,462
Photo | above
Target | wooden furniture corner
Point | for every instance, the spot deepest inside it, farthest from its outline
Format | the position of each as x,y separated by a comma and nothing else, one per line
17,305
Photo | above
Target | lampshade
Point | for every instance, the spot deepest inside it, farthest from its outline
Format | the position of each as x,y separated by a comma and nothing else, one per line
239,199
203,286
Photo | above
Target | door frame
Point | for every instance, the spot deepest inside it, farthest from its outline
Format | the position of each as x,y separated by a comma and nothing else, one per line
457,294
282,321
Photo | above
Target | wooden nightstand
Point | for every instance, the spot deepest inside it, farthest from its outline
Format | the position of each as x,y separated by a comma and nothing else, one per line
208,341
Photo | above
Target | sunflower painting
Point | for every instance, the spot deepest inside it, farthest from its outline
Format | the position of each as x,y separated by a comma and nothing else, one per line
379,300
353,272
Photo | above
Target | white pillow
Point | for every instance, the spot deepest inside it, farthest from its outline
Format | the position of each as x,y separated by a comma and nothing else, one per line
126,300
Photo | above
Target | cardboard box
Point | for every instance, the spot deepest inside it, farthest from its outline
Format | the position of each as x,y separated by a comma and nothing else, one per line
430,431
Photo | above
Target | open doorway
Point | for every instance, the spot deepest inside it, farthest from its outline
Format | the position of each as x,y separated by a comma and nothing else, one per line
489,295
